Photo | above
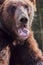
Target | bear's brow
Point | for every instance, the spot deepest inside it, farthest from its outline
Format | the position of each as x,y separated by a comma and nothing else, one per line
19,3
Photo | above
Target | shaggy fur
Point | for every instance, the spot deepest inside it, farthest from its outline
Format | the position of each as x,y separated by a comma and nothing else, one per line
13,51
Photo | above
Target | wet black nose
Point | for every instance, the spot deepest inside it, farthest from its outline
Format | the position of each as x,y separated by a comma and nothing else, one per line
24,20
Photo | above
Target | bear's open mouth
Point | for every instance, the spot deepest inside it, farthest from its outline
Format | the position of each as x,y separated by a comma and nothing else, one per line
23,33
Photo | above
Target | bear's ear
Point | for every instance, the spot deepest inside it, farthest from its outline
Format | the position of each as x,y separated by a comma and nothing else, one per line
34,3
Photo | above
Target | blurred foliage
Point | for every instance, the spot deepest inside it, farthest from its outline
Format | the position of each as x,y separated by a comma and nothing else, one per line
38,38
38,23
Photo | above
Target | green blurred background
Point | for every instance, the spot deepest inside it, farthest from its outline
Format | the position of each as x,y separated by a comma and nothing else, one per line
37,26
38,23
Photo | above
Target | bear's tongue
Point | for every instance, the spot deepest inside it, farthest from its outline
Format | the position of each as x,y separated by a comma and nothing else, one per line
23,33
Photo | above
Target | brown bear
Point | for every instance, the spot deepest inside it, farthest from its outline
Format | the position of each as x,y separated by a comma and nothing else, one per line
17,43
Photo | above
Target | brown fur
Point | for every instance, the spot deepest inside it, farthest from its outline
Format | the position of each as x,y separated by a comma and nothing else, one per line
34,47
7,21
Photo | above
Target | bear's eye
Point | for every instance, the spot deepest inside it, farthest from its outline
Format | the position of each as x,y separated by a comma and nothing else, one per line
26,6
11,9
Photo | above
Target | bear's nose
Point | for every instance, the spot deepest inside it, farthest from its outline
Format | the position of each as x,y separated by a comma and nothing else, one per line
24,20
